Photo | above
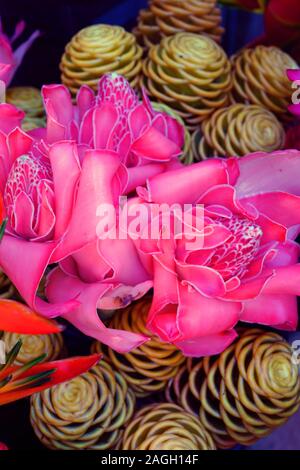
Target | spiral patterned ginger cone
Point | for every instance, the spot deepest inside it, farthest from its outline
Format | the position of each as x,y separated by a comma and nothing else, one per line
192,16
259,77
34,346
187,151
238,130
88,412
245,392
29,123
166,427
27,98
97,50
191,74
7,290
148,368
147,32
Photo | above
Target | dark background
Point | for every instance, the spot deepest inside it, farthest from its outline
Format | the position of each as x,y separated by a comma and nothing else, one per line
59,20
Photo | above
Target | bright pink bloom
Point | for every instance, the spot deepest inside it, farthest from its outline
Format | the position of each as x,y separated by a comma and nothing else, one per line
247,265
90,155
147,142
9,59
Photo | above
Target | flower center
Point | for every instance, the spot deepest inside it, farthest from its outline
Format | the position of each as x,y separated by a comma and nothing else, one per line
30,179
116,90
233,257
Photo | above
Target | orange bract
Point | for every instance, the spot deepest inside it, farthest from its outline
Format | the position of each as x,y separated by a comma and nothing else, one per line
18,318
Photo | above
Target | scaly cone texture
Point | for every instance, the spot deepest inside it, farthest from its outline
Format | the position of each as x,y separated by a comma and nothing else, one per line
29,123
190,73
238,130
88,412
187,153
50,346
166,427
167,17
259,77
97,50
193,16
27,98
148,368
147,31
245,392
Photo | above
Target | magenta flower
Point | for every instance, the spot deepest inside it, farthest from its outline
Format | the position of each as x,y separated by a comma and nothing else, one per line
246,266
9,59
53,183
147,142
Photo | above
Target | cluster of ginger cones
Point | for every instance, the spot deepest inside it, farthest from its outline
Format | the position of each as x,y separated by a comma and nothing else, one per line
154,398
229,106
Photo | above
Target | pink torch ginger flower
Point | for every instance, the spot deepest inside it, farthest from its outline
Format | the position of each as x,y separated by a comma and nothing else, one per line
52,186
246,267
147,142
10,60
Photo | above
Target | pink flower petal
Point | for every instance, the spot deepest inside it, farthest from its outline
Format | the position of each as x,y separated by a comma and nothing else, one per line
46,220
278,171
186,184
279,311
24,263
10,117
95,188
61,288
282,208
120,254
165,297
122,295
293,74
23,216
66,170
226,195
286,280
153,145
85,100
250,289
59,109
19,143
138,120
286,254
23,48
272,231
207,345
205,280
202,316
104,121
138,175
